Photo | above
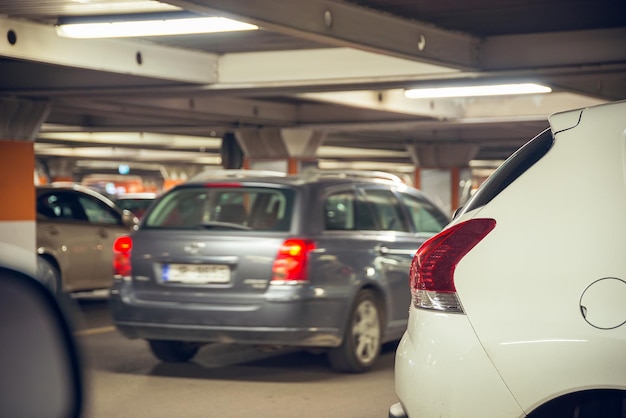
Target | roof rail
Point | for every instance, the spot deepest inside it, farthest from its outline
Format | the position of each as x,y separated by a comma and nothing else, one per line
233,174
313,173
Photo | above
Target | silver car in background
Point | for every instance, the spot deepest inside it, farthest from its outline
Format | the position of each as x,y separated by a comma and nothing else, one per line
76,229
317,261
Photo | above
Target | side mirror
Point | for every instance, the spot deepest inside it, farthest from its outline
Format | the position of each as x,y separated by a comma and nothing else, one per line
41,372
129,220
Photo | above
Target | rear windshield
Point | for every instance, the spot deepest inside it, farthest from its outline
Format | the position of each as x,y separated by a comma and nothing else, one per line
223,207
137,206
510,170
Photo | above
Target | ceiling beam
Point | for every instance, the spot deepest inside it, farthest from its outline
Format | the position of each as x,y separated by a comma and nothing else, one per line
202,115
275,72
39,43
345,69
186,110
349,25
129,139
129,154
388,101
607,85
588,48
425,126
324,66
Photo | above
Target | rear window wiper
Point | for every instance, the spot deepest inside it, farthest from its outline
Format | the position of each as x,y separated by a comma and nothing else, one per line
223,225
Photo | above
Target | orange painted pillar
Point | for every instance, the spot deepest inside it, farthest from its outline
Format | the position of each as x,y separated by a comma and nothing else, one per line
292,165
455,179
17,202
17,181
20,121
417,178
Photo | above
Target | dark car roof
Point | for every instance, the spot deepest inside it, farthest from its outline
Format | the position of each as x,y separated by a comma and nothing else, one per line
307,177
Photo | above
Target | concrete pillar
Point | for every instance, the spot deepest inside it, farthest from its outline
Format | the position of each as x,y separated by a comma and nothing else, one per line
302,145
60,169
231,152
284,150
20,121
440,169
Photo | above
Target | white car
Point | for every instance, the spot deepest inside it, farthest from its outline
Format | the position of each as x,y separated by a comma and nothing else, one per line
519,305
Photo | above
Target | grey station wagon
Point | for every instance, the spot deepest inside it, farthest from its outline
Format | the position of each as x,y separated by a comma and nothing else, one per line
315,261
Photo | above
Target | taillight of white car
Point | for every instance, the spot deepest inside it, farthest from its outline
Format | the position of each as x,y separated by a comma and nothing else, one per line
432,268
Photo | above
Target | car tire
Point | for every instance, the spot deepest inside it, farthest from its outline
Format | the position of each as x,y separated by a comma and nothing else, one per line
49,275
362,340
173,351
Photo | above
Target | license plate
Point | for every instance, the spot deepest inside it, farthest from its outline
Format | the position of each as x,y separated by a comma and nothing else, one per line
196,273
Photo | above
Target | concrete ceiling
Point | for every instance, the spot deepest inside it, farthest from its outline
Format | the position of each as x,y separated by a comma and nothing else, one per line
336,67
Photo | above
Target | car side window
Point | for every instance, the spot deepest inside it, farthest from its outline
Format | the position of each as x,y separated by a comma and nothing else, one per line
98,212
387,209
369,210
60,205
339,211
344,211
426,217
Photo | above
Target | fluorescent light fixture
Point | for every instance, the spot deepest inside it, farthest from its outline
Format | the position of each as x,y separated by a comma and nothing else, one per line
90,7
470,91
161,27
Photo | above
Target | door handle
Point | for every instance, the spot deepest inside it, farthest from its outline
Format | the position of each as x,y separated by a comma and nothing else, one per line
383,250
103,233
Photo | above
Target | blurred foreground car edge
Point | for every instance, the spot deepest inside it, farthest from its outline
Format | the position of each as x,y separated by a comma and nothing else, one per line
41,370
515,311
314,261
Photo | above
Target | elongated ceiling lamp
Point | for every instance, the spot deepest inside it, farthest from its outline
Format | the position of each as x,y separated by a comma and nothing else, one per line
157,27
470,91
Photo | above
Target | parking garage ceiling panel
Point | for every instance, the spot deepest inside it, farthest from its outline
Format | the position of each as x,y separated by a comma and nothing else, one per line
336,66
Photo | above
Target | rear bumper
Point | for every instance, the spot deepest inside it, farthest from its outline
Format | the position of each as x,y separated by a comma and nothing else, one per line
292,321
442,370
295,337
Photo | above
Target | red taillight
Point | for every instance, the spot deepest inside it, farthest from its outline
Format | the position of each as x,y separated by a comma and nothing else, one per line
291,261
121,256
432,269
